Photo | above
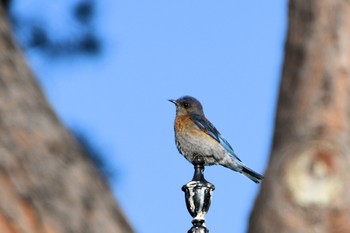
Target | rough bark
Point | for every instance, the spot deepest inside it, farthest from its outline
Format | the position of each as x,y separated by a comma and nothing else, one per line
307,184
47,184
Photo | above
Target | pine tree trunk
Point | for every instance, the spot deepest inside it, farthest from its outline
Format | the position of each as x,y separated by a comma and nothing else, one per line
307,184
47,184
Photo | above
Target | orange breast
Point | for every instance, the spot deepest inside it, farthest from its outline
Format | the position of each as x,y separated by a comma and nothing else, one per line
183,123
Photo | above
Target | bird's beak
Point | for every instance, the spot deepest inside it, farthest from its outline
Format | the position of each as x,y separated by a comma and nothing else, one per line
174,102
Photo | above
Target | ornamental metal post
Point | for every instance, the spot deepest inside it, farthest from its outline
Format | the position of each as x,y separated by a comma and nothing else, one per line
198,197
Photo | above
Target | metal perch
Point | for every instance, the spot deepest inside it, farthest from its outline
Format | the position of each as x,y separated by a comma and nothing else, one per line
198,197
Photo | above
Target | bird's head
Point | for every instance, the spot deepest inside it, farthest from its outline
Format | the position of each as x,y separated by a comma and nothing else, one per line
186,105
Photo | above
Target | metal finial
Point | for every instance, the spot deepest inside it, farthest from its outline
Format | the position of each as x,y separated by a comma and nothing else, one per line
198,197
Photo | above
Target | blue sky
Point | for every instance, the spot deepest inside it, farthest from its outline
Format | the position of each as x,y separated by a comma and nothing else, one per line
227,54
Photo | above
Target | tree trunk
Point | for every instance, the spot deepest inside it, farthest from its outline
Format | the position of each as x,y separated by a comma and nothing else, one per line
307,184
47,183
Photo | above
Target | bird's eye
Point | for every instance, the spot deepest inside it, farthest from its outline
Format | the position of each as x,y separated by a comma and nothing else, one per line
186,105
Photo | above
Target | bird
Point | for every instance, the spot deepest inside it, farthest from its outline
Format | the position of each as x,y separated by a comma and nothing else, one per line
196,136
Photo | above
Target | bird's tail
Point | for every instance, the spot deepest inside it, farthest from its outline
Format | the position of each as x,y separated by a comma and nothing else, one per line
254,176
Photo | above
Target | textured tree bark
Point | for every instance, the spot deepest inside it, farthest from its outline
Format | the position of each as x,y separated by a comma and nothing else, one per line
47,184
307,184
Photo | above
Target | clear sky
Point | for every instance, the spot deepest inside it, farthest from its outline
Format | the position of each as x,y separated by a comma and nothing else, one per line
228,54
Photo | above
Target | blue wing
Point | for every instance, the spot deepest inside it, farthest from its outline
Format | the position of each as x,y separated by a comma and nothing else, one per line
228,148
210,129
205,126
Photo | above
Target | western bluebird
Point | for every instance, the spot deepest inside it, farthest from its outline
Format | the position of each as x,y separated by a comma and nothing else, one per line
196,136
